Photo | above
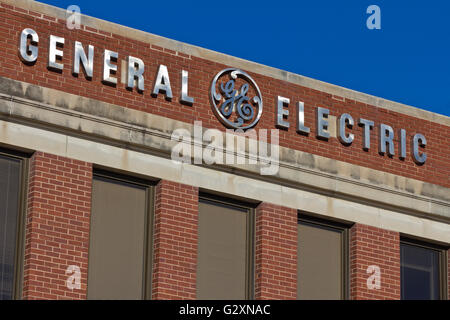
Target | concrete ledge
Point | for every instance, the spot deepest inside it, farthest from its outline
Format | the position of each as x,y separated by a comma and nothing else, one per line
216,181
72,115
145,37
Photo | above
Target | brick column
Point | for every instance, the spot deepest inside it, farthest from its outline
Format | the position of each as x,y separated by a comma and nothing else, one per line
276,252
57,226
374,246
175,241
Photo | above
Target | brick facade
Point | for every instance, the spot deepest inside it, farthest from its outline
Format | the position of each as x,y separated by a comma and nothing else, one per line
57,229
374,246
175,241
13,20
275,252
57,226
59,191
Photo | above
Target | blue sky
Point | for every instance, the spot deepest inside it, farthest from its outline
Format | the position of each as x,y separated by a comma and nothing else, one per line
407,61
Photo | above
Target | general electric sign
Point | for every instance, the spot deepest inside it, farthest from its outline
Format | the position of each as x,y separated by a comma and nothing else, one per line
235,98
247,111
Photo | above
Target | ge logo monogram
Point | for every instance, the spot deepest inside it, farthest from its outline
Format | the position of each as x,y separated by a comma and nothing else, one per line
231,105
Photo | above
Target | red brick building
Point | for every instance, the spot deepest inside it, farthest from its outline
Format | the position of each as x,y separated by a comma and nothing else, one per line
352,200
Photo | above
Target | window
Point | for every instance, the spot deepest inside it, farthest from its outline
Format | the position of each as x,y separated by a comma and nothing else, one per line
120,238
322,260
423,271
12,198
225,250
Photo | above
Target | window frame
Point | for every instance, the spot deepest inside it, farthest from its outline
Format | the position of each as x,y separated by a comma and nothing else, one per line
250,237
149,185
344,228
19,255
442,264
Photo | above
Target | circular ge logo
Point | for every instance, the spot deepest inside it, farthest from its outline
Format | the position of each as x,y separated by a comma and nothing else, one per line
231,105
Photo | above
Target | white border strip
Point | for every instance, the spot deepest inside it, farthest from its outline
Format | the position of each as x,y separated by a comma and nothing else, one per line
156,167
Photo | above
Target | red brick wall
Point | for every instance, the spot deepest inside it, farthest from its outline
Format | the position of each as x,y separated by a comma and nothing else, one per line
14,20
175,241
374,246
57,226
275,252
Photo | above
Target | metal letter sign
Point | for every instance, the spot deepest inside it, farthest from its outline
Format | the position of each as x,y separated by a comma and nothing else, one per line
235,97
231,104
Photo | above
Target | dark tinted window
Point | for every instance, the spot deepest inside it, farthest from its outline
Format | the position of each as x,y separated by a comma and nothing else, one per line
223,251
9,214
118,241
420,272
321,262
